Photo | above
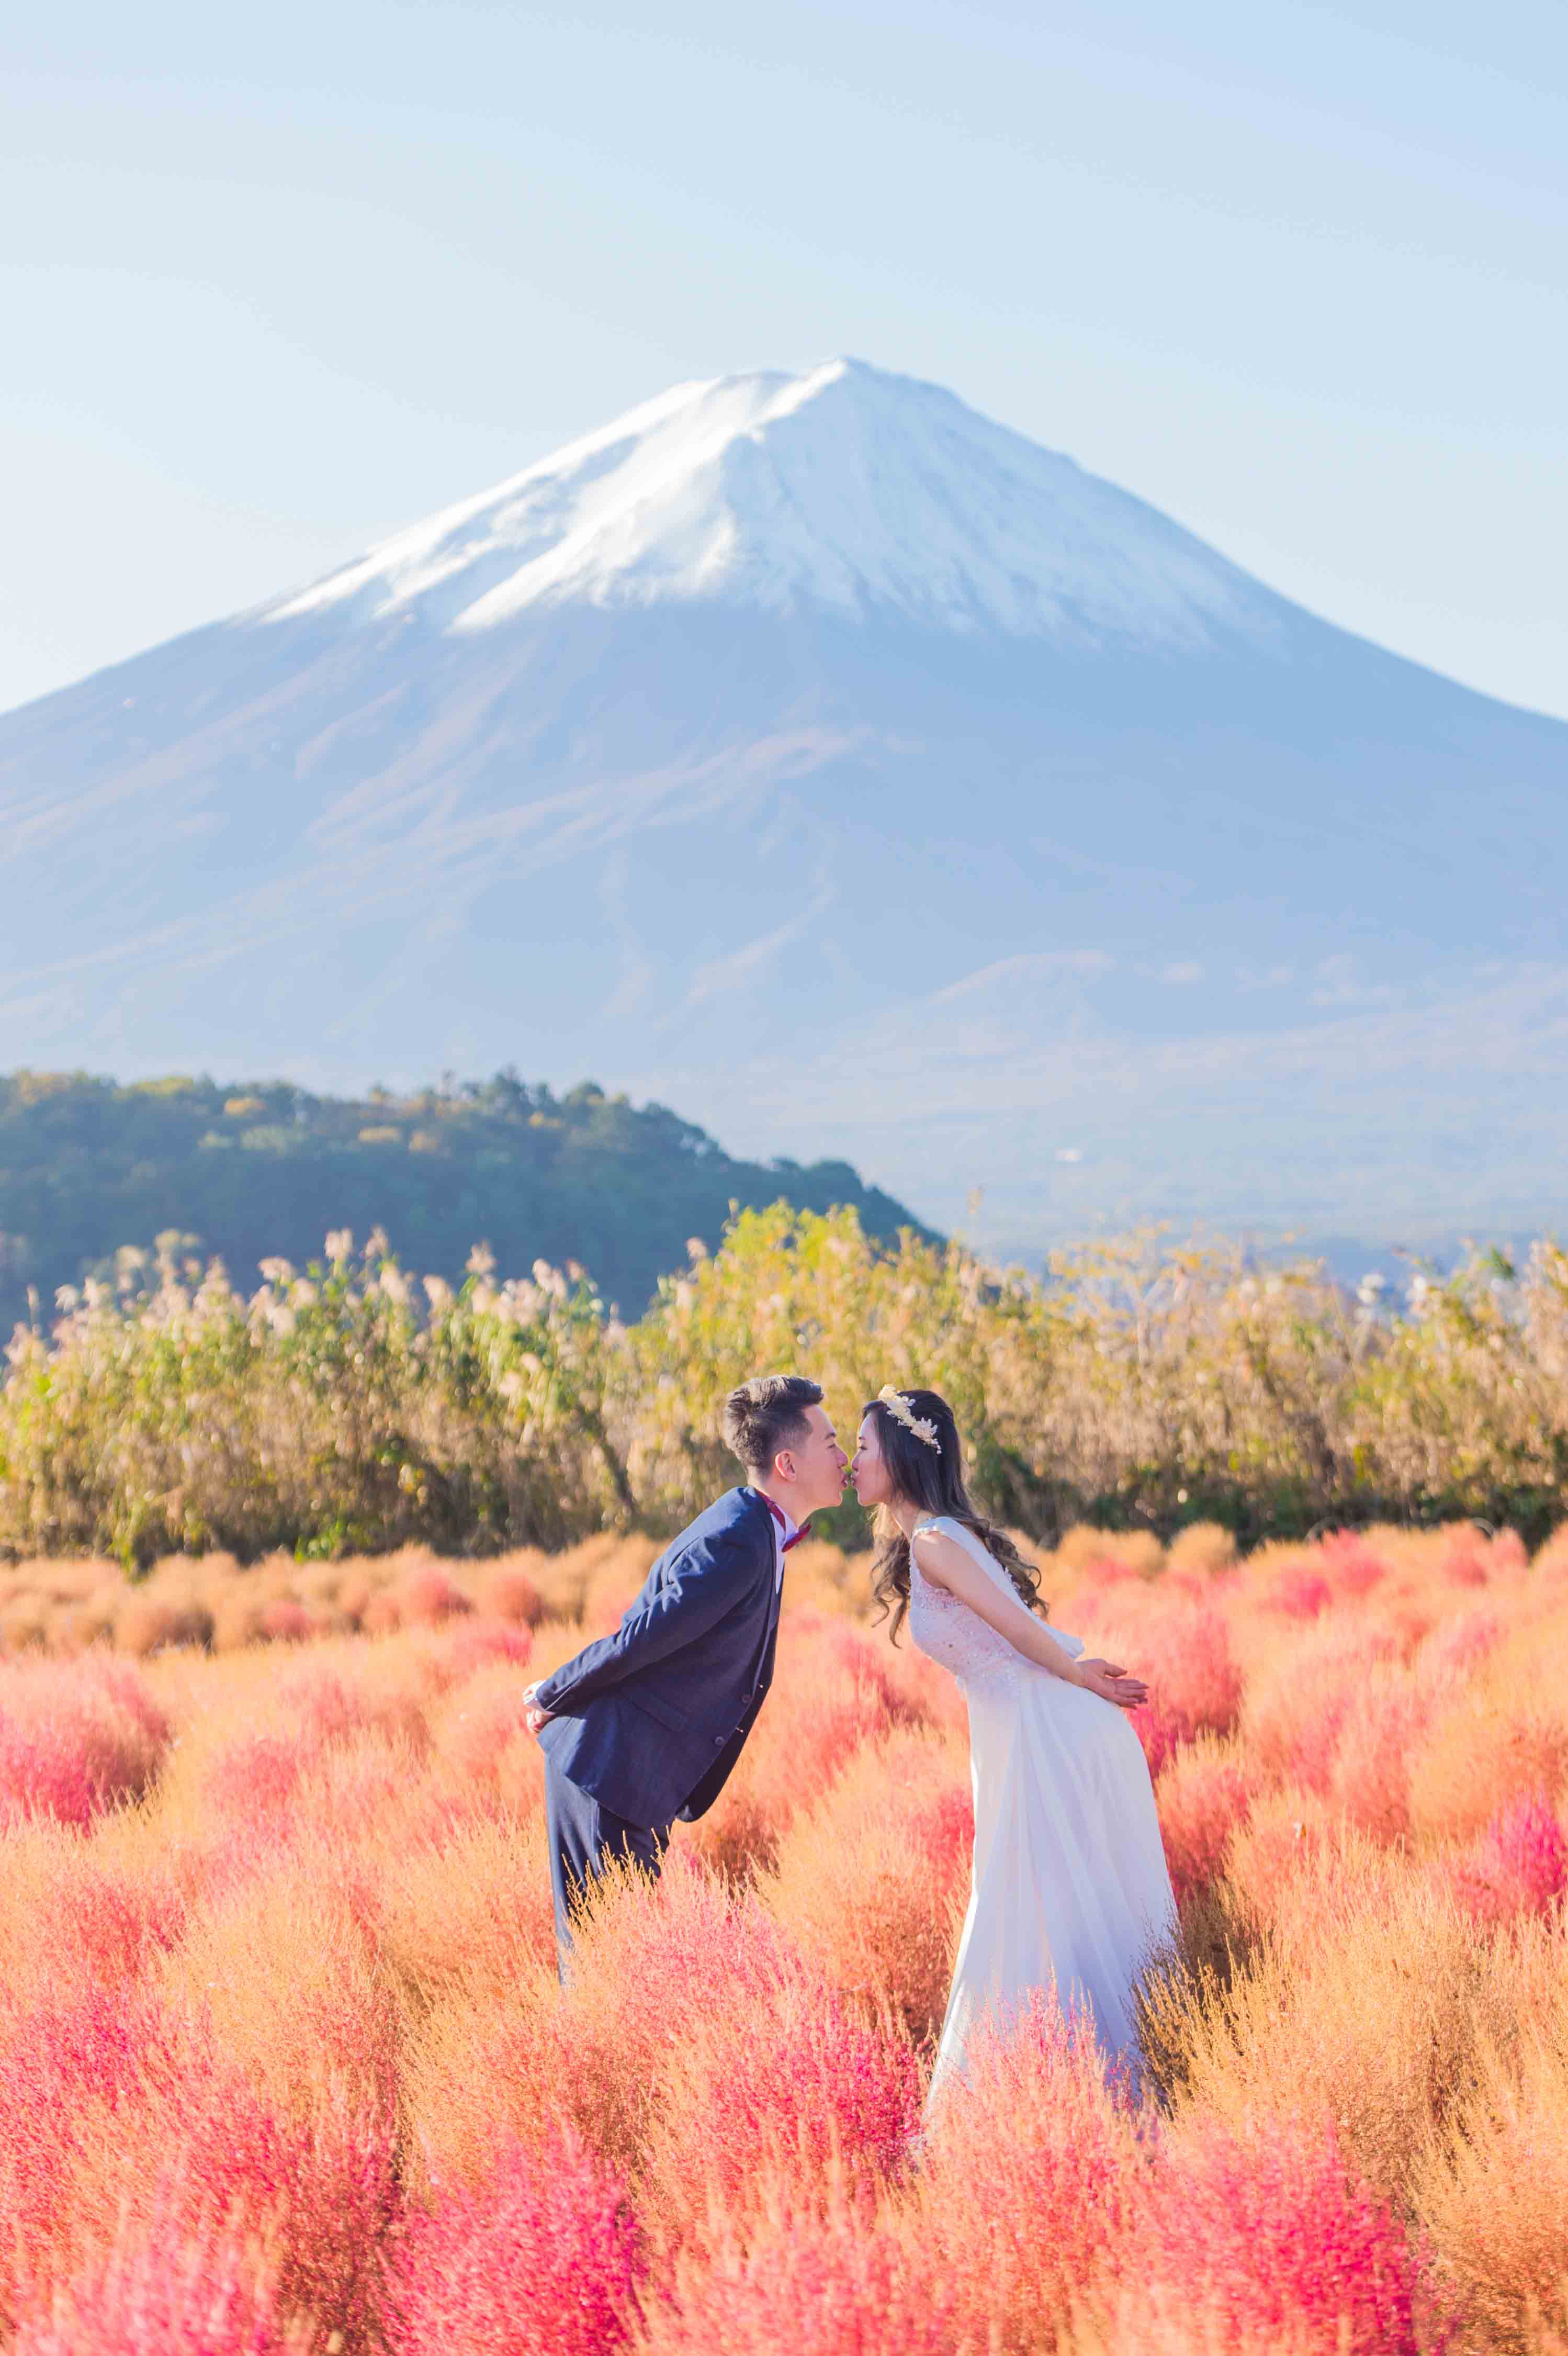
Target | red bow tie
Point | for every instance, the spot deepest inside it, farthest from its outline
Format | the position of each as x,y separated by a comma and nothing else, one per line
803,1531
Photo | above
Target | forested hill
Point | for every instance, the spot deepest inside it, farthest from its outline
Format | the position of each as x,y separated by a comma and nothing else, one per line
87,1166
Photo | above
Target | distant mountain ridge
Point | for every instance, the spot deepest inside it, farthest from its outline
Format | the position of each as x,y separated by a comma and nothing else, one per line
817,754
249,1173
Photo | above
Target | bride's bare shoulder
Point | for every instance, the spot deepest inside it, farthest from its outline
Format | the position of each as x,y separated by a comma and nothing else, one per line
939,1553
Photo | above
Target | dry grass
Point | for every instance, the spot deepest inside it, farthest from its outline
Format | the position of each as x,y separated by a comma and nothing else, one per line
1143,1382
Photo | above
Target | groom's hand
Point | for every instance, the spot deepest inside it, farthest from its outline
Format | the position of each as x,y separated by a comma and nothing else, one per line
535,1716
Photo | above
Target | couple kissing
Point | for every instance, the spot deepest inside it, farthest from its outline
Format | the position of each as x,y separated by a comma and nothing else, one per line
644,1727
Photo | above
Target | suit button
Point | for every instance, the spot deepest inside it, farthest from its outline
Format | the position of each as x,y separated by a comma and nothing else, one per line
718,1742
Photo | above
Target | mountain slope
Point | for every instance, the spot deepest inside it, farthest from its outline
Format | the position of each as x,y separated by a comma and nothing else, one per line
819,755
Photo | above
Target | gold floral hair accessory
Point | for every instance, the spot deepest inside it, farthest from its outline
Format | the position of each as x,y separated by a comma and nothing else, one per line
902,1411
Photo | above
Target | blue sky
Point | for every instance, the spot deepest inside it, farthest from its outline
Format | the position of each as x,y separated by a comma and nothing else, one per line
275,282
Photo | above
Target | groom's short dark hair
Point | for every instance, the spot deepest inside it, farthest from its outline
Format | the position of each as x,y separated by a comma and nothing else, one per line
766,1414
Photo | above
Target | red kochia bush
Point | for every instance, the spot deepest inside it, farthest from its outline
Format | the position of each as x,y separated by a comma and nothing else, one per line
1266,2239
428,1595
59,2057
1027,2176
544,2261
76,1737
1195,1683
318,2186
1354,1567
477,1642
1518,1865
847,2284
648,1964
820,2093
1202,1796
159,2293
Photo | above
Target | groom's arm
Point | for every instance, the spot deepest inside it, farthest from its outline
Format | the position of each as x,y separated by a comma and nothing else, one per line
707,1581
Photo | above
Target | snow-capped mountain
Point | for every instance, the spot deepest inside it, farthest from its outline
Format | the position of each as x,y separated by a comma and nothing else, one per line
860,777
845,491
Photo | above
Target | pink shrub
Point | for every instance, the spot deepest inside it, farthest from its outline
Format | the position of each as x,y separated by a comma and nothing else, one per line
1027,2176
1369,1777
1301,1592
1518,1865
871,1669
1161,1730
544,2261
1464,1561
872,1879
607,1604
111,1922
1202,1796
1352,1566
1287,1835
479,1642
847,2284
160,2292
1266,2239
1295,1711
283,1621
328,1710
1459,1644
60,2057
258,1774
483,1733
76,1737
510,1593
830,1697
312,2182
331,1711
325,2183
819,2087
1195,1685
428,1595
1409,1622
598,2052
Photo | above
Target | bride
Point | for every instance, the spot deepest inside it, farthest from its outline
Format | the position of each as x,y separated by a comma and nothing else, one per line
1069,1882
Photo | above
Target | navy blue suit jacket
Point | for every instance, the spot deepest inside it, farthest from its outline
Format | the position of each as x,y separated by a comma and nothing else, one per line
652,1719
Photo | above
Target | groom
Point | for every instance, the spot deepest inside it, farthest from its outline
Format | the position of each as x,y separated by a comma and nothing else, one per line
646,1725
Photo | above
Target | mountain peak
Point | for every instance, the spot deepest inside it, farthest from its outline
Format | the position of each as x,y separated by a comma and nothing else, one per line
843,488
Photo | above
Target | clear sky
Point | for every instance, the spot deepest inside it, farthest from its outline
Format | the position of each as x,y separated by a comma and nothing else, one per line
273,281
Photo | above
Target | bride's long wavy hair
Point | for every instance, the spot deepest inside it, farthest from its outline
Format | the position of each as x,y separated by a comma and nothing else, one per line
934,1482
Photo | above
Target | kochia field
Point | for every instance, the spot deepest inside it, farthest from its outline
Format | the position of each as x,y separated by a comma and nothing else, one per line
284,2065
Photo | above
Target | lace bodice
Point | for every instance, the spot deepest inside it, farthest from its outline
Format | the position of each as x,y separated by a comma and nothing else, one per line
948,1632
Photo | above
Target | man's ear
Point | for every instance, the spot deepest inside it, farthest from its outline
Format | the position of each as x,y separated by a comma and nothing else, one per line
784,1464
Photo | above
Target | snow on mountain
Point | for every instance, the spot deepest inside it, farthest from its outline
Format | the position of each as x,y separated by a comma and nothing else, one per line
843,488
842,768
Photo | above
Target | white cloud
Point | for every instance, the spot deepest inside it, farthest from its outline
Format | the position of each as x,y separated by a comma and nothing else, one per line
1032,966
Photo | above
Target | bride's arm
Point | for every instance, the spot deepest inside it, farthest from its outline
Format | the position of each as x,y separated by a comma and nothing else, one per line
946,1564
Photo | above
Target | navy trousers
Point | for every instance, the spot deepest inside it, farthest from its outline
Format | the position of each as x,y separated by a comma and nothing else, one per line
583,1837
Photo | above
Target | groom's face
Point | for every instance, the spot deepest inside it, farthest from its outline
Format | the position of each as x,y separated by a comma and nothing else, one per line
813,1466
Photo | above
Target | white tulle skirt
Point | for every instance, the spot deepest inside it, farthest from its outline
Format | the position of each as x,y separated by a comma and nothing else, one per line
1071,1889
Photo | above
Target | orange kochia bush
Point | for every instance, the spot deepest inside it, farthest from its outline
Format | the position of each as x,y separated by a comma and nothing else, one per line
285,2065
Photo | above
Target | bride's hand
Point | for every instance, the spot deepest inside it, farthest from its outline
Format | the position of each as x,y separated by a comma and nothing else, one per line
1112,1682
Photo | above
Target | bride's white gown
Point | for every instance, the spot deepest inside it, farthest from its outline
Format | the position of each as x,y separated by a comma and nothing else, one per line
1069,1883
